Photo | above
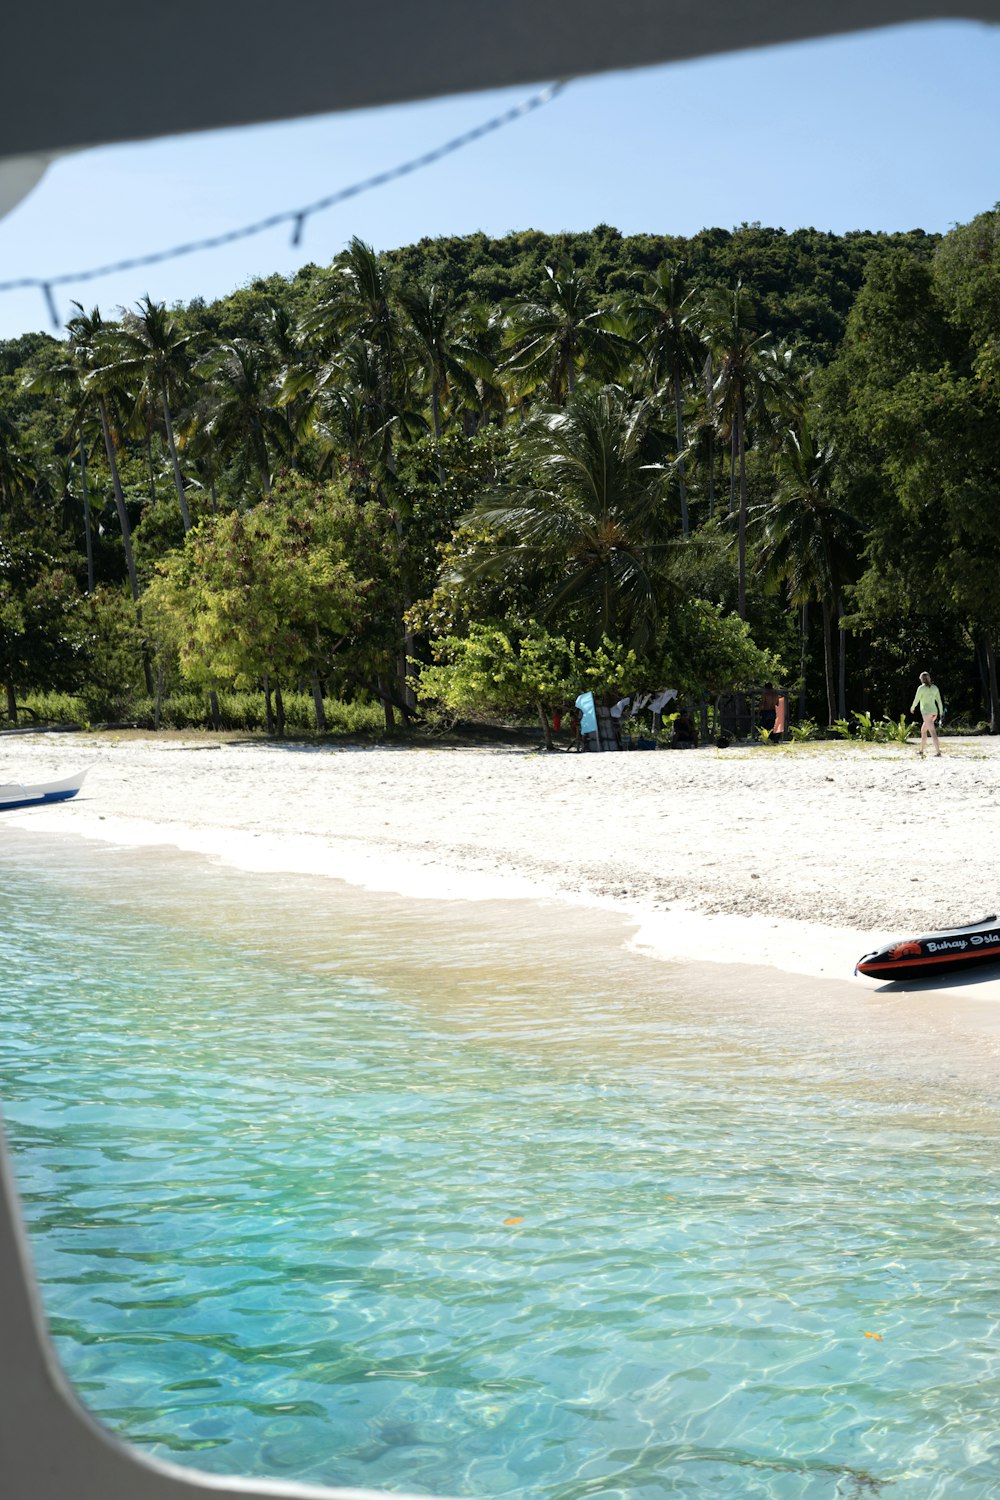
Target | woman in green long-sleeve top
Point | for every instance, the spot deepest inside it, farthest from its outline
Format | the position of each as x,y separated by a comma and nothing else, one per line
928,700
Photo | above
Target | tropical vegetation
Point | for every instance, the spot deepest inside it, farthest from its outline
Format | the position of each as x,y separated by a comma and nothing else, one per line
475,477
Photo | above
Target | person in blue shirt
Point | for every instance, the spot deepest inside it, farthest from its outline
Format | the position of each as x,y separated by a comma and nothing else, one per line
928,700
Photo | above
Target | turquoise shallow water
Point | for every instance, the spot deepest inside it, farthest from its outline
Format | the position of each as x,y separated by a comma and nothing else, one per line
324,1187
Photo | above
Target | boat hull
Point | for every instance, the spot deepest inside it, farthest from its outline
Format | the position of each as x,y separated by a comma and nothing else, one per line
37,796
938,953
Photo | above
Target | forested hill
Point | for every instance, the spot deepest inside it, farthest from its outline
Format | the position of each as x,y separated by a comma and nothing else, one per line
804,282
489,471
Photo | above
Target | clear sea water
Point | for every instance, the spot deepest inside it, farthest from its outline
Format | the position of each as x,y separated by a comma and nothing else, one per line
466,1200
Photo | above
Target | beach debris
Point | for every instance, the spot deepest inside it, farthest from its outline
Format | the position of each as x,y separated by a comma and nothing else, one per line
876,1336
518,1220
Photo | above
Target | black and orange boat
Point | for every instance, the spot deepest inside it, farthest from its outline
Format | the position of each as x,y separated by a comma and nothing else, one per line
939,953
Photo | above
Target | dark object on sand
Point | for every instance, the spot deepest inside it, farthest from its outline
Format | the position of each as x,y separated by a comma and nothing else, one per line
939,953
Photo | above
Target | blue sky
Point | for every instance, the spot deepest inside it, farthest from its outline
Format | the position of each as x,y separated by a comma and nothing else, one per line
893,130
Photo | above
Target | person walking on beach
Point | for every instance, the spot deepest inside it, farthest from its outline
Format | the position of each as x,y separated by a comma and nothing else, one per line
928,700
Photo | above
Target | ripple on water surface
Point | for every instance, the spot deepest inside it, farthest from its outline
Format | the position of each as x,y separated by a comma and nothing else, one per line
470,1202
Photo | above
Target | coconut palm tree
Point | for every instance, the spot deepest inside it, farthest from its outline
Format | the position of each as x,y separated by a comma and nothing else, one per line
553,339
806,541
584,513
280,336
348,418
360,328
152,357
483,332
68,381
740,378
363,308
238,412
17,469
662,318
447,362
90,349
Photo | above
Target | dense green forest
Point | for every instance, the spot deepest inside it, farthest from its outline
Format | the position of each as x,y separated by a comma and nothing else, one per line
478,476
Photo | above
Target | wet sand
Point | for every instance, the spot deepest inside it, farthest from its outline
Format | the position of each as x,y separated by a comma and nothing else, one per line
799,859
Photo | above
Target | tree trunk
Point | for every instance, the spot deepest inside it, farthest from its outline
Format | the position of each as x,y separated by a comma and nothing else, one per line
436,415
158,705
213,703
741,445
711,476
803,658
546,727
710,405
178,478
317,692
268,709
126,532
87,536
841,666
406,693
279,710
120,504
263,463
732,471
387,709
828,659
11,703
991,677
679,415
149,466
981,694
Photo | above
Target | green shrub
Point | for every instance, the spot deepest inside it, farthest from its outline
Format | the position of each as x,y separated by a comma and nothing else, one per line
53,708
895,731
185,709
865,727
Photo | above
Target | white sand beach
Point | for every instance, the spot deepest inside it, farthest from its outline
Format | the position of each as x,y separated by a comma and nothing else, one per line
799,858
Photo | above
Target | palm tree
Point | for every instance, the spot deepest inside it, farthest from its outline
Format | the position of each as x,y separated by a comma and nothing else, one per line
17,470
89,351
150,354
805,540
662,323
361,325
448,362
346,414
67,380
553,339
583,513
364,309
239,411
740,378
89,344
88,538
280,336
483,332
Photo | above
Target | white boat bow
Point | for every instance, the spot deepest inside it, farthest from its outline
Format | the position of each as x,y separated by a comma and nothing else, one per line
15,795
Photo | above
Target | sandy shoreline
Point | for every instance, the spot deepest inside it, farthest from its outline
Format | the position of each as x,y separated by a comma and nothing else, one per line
798,860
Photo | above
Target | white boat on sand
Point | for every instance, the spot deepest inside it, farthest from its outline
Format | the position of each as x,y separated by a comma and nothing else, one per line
14,795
